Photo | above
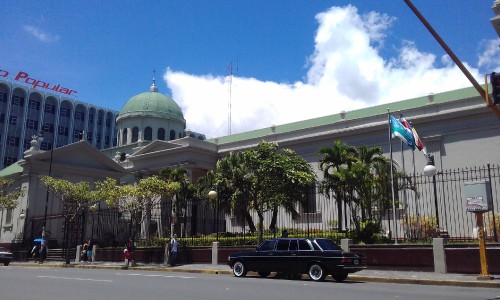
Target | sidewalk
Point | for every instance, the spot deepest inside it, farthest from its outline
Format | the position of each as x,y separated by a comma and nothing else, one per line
388,276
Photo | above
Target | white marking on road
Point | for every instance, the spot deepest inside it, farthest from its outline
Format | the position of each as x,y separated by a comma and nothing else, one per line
153,275
75,278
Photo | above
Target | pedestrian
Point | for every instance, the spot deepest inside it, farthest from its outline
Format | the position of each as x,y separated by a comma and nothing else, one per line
89,250
129,252
284,233
83,254
174,245
35,252
43,251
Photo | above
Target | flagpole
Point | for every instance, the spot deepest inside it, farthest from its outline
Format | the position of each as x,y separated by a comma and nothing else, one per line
392,181
405,195
417,212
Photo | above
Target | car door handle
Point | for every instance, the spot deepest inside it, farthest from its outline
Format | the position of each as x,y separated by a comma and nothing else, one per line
294,254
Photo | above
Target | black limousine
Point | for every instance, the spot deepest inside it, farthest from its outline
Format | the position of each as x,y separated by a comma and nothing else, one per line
317,257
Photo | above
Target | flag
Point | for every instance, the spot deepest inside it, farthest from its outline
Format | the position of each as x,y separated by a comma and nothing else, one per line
399,130
418,141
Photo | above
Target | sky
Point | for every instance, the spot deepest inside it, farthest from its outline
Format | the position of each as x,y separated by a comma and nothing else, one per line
235,66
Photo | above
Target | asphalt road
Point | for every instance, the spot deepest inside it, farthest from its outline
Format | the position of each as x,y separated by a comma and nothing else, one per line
23,283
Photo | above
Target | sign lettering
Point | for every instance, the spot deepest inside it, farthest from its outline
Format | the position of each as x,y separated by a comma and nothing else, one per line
24,77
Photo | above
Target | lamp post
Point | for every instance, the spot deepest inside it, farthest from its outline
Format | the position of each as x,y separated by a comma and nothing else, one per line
431,171
40,138
212,195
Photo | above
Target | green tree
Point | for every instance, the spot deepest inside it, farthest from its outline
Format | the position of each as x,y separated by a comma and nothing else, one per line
75,197
334,162
235,185
137,200
277,179
8,197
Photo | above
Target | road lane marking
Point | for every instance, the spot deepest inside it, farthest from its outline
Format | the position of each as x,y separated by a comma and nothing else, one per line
153,275
76,278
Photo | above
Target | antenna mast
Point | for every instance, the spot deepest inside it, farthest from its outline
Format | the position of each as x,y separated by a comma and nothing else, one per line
230,69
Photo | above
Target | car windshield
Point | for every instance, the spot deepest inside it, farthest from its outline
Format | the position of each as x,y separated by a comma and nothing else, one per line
2,249
327,244
267,245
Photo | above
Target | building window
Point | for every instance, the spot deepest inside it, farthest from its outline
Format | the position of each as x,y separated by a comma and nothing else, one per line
19,101
79,115
148,134
77,134
108,122
34,105
106,140
9,161
3,97
13,141
172,135
99,121
161,134
124,136
65,112
135,134
13,120
27,144
49,108
2,117
91,119
47,128
32,124
98,139
89,137
45,146
63,130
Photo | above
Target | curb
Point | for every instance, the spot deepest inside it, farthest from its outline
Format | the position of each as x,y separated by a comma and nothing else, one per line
358,278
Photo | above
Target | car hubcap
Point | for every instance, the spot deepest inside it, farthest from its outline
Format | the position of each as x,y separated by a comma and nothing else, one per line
238,269
315,272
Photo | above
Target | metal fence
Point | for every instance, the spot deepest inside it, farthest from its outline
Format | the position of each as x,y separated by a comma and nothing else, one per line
436,206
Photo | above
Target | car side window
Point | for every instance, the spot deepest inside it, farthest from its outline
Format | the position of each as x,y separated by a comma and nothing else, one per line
293,245
283,245
304,245
267,246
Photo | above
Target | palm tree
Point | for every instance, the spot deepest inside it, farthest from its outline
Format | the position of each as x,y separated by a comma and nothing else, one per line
332,161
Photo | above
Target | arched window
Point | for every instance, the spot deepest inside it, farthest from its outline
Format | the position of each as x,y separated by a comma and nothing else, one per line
124,136
161,134
135,134
148,134
172,135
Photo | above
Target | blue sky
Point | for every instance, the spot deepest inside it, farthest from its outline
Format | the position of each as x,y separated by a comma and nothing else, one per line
292,60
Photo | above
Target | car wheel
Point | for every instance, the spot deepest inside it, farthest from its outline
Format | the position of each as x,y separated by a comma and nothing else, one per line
239,269
316,272
339,277
264,274
6,263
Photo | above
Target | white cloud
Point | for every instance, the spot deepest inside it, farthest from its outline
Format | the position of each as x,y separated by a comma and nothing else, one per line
40,35
345,72
490,55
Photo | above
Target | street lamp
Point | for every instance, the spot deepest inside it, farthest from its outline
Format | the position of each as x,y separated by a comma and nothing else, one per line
40,139
431,171
212,195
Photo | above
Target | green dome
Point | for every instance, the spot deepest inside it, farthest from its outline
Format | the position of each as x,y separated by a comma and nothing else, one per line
152,103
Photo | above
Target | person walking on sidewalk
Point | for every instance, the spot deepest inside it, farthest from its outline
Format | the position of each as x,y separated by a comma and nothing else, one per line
35,252
43,251
174,245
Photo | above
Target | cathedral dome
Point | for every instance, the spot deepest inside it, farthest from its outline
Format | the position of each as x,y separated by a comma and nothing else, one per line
152,104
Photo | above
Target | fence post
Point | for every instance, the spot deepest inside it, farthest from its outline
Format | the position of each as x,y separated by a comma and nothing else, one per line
215,253
77,256
439,255
94,250
345,244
